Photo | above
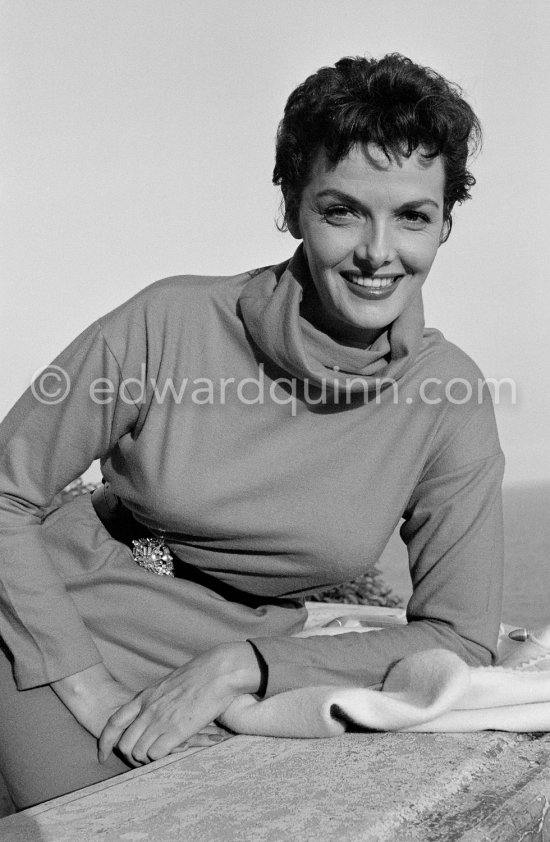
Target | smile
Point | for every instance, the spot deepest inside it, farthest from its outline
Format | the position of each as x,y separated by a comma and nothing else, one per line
373,286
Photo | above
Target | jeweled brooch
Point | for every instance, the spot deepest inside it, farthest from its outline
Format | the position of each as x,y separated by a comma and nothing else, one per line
153,555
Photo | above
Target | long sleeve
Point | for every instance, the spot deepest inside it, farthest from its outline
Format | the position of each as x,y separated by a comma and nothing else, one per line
46,441
453,531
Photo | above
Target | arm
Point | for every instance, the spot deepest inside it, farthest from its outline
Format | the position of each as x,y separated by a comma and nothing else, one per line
43,446
453,530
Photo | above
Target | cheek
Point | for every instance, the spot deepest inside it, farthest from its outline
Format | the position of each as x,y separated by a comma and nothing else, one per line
319,253
328,246
419,256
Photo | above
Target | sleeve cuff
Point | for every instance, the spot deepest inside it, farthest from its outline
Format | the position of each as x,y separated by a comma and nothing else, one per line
264,670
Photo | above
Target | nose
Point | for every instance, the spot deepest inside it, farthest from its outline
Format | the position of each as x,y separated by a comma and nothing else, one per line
376,246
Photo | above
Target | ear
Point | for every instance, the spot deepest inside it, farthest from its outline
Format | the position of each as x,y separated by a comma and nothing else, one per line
289,210
445,230
294,227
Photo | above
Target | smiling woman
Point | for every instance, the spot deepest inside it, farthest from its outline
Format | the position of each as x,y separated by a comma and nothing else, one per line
371,227
246,502
371,161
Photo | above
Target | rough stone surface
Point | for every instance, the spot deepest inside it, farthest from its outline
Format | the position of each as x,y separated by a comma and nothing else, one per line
483,787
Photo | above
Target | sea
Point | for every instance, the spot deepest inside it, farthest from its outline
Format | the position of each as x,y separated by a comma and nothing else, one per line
527,557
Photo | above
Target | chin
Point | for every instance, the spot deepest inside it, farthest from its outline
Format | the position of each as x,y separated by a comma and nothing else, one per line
377,321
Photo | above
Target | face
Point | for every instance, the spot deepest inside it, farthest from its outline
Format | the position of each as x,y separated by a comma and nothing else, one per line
371,229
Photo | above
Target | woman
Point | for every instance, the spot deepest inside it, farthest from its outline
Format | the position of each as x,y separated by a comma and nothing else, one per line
268,431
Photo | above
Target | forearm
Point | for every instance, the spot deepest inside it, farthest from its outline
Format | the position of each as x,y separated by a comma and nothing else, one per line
358,659
92,695
239,667
81,684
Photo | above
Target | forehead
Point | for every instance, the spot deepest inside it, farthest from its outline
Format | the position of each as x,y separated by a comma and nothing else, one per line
366,171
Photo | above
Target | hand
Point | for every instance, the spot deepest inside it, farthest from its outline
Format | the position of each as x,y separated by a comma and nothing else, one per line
92,696
162,717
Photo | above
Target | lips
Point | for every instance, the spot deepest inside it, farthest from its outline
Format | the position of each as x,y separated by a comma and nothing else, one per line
374,287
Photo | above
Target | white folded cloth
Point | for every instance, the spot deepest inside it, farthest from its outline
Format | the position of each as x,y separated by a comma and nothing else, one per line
429,691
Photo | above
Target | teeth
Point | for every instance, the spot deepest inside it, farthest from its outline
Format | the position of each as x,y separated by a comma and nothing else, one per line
372,283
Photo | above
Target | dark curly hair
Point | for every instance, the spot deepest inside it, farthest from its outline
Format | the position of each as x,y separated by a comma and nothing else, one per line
391,102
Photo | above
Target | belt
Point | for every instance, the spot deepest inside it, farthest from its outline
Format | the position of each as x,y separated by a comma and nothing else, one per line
123,527
115,517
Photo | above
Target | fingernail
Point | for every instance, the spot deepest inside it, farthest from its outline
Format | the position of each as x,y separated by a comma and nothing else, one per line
181,747
216,738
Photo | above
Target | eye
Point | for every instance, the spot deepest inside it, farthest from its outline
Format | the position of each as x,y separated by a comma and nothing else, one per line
338,214
415,219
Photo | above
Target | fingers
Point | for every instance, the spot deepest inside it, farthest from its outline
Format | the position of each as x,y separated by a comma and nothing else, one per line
209,735
206,739
170,712
132,730
163,745
141,741
115,727
135,741
153,746
212,729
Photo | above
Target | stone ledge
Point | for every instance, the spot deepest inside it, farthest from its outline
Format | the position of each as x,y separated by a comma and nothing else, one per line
479,787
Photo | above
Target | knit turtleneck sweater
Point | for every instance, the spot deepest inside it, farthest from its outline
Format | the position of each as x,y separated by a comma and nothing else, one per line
220,418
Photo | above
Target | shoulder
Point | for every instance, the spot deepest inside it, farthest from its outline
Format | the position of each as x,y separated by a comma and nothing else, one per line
181,291
457,397
170,305
445,360
168,312
446,376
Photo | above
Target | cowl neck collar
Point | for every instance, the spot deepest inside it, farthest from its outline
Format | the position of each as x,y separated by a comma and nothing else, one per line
270,309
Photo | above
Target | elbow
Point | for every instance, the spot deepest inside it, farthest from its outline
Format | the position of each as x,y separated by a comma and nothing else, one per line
477,655
474,652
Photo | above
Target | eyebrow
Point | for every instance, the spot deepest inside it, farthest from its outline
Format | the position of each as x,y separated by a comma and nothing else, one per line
347,197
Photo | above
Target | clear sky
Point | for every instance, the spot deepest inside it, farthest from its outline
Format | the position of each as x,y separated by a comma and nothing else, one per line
137,142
